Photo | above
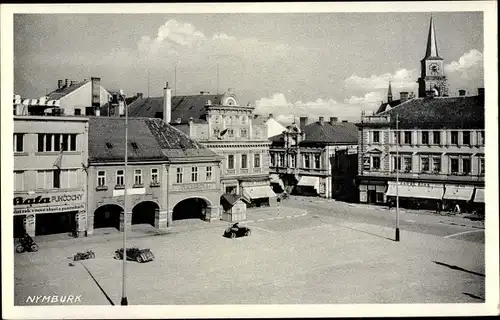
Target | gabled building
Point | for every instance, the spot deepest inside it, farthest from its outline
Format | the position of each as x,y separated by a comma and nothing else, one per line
272,125
71,98
304,161
170,176
220,123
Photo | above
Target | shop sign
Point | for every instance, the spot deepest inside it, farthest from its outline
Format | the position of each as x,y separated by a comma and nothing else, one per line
193,186
48,199
419,184
253,183
49,209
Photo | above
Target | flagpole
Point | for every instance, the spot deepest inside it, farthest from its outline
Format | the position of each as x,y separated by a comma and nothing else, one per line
124,300
398,161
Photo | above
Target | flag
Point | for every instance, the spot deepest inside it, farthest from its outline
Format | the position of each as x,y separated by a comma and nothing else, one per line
58,161
223,132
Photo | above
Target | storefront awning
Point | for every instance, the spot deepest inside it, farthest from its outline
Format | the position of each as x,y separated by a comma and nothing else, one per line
416,191
258,192
309,181
458,193
479,196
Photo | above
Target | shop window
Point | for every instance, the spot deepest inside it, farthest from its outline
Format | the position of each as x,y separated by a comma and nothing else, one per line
466,165
436,137
425,137
256,160
18,142
194,174
454,137
120,178
425,164
230,161
179,175
408,137
209,174
376,137
436,164
466,137
101,178
244,161
379,197
376,162
307,161
155,176
138,178
454,165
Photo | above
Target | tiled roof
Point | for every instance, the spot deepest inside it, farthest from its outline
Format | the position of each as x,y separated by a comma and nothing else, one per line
384,105
59,93
183,107
328,133
231,198
432,113
148,139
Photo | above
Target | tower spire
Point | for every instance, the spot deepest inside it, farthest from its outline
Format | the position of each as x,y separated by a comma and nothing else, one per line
389,94
432,49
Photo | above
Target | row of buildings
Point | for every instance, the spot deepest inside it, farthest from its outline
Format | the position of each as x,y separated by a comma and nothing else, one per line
210,157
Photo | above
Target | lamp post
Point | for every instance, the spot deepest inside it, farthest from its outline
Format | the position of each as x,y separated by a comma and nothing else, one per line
124,300
398,165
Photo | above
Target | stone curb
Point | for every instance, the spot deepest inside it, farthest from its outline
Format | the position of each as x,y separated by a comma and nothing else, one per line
276,218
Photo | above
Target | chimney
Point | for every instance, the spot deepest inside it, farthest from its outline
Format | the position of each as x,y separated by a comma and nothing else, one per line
344,121
461,92
139,95
403,96
96,92
271,116
202,92
480,92
167,103
333,119
321,121
59,84
177,120
66,82
303,122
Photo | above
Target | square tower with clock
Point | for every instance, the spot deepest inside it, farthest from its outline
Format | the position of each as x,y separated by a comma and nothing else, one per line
432,79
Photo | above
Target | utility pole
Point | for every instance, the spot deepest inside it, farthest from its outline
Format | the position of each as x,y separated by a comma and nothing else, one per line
124,300
398,165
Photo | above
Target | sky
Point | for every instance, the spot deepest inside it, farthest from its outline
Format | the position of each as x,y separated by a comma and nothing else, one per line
287,64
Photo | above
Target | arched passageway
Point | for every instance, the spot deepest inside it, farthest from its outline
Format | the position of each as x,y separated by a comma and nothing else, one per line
107,216
144,213
192,208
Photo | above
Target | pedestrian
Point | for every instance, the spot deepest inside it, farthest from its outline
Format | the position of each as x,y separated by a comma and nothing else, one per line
438,207
457,209
390,204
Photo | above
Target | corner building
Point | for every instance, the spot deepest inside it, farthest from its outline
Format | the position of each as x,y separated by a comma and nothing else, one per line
50,182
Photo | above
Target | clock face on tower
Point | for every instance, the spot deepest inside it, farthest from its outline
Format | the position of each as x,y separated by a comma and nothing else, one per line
434,68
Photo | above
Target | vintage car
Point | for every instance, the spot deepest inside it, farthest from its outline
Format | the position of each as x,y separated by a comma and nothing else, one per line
237,231
135,254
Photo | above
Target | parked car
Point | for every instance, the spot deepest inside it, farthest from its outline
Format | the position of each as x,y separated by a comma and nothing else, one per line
237,231
136,254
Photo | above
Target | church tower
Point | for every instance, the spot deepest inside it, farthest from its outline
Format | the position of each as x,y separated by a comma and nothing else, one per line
432,79
389,94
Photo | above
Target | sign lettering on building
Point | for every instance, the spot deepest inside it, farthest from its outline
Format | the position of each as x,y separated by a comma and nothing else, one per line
48,203
193,186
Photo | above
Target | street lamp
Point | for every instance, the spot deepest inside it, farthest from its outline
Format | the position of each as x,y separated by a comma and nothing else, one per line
398,165
124,300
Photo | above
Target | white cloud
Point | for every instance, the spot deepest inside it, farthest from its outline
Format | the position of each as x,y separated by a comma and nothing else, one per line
285,111
467,73
470,60
222,36
401,79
